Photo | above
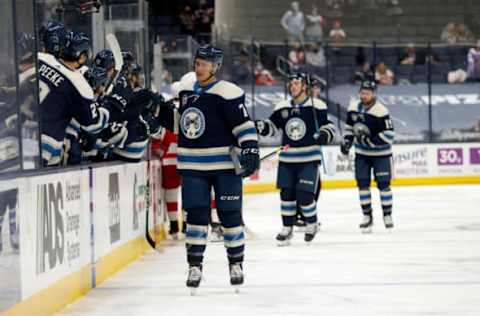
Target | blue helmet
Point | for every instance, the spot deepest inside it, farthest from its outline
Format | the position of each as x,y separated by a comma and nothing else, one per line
299,76
104,59
76,43
53,37
128,60
26,46
136,69
368,85
210,53
96,76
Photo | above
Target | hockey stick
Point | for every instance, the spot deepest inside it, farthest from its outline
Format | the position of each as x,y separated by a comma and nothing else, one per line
113,45
315,120
149,238
276,151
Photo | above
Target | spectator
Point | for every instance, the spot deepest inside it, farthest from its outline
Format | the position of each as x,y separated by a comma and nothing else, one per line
464,35
297,55
383,75
337,34
455,33
314,31
187,21
409,57
449,34
364,73
203,21
473,60
293,22
315,55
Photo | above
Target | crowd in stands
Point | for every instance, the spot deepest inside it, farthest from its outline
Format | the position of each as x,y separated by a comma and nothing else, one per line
197,21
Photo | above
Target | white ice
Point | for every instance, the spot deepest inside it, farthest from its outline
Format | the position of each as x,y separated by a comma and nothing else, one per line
428,265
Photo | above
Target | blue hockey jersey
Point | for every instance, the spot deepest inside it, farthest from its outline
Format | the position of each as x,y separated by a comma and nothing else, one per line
212,121
298,125
64,94
376,120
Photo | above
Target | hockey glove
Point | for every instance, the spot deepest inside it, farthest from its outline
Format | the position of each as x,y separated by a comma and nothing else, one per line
346,145
364,140
250,161
321,137
262,128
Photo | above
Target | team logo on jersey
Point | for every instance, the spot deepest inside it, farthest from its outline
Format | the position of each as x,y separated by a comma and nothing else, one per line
295,129
192,123
192,97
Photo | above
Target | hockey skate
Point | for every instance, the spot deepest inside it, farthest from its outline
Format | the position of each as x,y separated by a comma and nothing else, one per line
283,238
194,278
236,276
217,232
366,224
310,232
387,220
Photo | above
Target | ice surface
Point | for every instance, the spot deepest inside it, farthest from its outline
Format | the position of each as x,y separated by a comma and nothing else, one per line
429,264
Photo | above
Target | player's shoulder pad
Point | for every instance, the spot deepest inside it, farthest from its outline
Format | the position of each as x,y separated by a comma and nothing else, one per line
319,104
378,110
283,104
75,77
186,83
353,106
226,90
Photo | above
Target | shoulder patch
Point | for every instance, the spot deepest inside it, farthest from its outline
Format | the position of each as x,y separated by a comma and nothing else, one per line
282,104
75,77
226,90
378,110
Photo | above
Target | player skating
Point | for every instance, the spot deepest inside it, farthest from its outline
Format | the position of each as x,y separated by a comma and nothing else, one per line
370,129
305,126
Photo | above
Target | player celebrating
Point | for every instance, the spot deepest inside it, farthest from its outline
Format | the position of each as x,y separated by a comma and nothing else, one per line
370,129
305,127
213,121
66,95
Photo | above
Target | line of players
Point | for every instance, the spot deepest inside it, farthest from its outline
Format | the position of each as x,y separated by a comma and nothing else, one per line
80,120
215,131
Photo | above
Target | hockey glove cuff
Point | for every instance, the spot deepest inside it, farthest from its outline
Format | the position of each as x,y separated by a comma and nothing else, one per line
250,161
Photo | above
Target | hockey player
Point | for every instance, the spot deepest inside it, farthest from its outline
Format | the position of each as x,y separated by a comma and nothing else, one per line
65,94
165,147
104,59
370,129
53,36
214,124
305,127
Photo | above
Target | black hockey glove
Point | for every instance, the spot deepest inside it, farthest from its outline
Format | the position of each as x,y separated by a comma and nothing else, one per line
321,137
346,145
149,125
250,161
262,127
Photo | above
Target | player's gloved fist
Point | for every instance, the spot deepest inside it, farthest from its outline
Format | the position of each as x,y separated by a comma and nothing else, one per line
250,161
345,146
321,137
364,140
262,127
